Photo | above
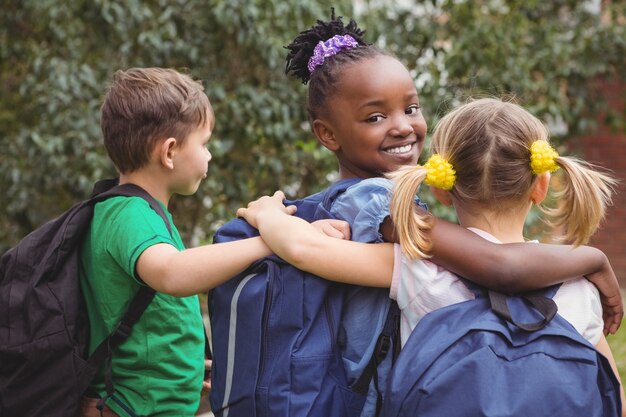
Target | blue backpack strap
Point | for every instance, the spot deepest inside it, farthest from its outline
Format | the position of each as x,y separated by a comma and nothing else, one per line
541,301
387,340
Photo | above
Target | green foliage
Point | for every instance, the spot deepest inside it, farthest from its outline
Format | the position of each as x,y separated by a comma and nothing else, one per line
56,58
544,54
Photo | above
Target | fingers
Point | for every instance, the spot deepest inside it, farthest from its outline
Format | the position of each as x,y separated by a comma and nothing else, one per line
341,227
612,313
206,388
206,385
273,202
612,316
279,195
333,228
329,230
610,297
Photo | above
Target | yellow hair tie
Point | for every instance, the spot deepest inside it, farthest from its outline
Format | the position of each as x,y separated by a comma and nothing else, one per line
542,157
439,173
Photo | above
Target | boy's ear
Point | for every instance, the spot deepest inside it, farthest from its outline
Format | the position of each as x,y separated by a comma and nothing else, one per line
443,196
166,151
540,188
325,135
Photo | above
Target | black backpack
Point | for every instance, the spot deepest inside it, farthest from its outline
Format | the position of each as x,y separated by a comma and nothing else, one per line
44,328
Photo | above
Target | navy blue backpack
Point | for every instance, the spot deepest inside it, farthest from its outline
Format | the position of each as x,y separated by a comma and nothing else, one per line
500,355
277,335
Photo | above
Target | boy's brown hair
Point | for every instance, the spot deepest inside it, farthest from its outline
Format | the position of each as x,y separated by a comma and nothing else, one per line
145,105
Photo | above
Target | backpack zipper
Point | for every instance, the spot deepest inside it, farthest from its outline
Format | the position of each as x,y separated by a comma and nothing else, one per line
330,322
265,322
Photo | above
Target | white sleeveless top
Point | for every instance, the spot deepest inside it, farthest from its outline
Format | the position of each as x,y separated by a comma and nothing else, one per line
420,286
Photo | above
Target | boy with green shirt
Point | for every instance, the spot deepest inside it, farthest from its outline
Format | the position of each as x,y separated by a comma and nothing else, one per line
156,125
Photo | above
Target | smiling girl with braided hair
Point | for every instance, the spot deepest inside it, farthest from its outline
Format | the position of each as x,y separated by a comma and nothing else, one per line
363,106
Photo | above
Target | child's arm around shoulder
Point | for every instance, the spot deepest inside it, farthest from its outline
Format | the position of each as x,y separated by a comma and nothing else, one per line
320,252
196,270
517,267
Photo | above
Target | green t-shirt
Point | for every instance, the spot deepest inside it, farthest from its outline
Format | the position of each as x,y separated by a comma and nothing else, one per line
158,370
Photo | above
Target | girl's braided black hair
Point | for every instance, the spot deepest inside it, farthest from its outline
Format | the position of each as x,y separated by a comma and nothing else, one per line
302,47
325,76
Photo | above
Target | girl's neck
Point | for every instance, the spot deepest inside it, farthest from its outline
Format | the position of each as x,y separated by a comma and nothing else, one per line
506,227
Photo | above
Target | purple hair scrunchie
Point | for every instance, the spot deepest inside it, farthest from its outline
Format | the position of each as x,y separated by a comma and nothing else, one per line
330,47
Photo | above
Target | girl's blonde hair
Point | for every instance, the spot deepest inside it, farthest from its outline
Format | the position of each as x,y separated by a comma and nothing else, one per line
488,141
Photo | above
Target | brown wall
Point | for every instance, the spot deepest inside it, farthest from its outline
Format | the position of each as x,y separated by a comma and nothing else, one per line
607,147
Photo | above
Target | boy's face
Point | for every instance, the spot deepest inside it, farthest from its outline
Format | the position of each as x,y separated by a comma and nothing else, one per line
375,118
191,160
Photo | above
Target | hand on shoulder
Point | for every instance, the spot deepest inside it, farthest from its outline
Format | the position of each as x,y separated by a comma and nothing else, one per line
265,205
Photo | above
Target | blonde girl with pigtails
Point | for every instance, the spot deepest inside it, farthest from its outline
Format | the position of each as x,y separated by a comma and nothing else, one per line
492,161
492,166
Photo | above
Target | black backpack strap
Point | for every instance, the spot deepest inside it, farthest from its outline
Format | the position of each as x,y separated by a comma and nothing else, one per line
104,352
387,341
543,304
109,188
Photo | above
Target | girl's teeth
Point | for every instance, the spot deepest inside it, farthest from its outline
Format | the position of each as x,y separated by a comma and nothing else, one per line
401,149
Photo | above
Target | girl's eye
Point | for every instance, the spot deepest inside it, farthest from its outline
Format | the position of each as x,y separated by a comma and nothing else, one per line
411,110
375,118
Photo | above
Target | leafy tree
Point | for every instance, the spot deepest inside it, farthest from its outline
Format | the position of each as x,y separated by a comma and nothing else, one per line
56,58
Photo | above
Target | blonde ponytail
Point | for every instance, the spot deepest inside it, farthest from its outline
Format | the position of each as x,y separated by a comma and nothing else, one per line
411,227
581,203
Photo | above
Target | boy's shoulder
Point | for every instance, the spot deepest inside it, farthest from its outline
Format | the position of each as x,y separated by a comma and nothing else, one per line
131,220
125,208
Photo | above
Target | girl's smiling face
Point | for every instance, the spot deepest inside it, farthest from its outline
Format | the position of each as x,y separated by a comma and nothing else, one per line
373,121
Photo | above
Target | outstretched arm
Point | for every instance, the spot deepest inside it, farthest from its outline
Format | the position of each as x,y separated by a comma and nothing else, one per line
196,270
